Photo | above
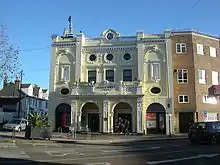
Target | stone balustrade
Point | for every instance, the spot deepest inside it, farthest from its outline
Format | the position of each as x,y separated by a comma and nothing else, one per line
107,88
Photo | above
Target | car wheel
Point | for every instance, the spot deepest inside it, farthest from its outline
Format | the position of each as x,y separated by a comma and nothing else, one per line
193,141
213,140
19,129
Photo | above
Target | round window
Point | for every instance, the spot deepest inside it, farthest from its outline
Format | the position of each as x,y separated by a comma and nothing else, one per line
109,36
127,56
109,57
155,90
92,57
65,91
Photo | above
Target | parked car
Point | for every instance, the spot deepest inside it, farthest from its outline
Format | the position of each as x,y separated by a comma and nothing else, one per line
200,132
16,124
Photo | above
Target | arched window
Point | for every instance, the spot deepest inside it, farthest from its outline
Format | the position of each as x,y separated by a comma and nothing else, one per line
153,63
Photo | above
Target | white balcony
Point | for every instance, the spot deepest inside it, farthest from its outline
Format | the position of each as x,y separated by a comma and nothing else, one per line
107,88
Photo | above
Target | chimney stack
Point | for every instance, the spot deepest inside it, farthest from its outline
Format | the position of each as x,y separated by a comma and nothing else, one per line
17,83
5,82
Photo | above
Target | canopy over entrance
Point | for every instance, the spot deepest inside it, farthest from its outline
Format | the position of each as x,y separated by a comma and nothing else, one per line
214,90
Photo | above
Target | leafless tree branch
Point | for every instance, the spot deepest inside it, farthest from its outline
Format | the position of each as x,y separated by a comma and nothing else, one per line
9,64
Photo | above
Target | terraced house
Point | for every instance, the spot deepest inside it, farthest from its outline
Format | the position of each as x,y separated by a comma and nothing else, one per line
95,82
195,61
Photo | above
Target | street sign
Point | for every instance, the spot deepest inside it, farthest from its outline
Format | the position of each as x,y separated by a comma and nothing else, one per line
205,113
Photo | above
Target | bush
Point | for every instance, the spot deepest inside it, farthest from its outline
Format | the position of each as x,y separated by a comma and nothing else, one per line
36,121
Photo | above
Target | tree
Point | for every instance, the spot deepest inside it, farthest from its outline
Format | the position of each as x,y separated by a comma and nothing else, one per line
8,56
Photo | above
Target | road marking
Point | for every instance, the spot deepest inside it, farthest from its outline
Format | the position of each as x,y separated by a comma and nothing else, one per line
115,156
56,154
62,154
45,145
137,149
8,145
14,155
182,159
99,163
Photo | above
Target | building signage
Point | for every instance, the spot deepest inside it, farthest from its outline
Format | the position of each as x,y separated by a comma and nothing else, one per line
211,117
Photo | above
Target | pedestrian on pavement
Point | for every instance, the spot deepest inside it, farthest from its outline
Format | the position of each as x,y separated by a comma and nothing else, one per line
121,126
127,125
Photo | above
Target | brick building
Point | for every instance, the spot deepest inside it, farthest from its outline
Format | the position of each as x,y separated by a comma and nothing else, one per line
195,61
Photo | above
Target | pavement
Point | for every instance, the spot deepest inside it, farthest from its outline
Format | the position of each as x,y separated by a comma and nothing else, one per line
99,139
158,152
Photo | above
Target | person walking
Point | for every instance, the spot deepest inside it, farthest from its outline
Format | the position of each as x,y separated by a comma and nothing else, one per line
127,126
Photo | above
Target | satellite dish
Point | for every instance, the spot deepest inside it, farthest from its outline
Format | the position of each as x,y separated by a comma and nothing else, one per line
54,36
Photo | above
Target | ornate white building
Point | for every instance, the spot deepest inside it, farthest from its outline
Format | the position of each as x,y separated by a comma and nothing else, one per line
94,82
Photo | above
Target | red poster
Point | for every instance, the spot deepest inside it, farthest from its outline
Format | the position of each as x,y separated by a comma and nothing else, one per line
63,120
151,116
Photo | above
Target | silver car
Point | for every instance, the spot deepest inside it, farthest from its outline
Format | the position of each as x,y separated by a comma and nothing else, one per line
16,124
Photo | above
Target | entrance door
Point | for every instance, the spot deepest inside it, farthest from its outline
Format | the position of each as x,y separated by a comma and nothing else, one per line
126,116
156,123
185,121
161,126
93,122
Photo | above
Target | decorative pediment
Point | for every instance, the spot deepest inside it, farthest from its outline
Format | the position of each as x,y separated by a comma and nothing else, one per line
110,34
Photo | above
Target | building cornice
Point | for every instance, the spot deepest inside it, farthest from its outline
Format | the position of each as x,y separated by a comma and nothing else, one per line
64,44
196,34
148,41
107,48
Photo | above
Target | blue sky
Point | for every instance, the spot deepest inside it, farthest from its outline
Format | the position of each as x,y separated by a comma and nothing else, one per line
31,23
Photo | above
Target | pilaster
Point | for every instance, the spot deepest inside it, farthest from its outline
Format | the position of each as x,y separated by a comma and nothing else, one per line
105,116
78,62
74,114
140,47
79,115
110,121
139,115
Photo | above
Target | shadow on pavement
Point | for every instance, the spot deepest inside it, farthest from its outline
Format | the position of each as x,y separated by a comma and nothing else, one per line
118,142
13,161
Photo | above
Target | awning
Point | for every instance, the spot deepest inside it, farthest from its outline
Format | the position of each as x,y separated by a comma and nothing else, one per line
214,90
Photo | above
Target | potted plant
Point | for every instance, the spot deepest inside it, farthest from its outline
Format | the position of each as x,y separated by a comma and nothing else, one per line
38,127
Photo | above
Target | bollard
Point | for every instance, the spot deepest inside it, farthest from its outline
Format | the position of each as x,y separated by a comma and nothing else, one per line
60,131
13,134
88,133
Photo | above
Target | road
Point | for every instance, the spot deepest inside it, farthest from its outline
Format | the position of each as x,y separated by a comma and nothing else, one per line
164,152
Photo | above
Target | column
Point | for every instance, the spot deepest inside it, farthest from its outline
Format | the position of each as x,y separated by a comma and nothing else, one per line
140,47
73,115
105,116
139,115
110,121
79,57
100,73
79,120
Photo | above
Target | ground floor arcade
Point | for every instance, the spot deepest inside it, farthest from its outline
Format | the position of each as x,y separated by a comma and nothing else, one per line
112,116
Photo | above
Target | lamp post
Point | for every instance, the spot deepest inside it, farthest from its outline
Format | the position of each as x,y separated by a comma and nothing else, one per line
19,104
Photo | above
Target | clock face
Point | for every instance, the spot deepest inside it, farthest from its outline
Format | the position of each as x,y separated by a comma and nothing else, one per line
109,36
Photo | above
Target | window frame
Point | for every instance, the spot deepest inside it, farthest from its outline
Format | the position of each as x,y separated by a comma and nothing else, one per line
198,47
63,66
211,50
152,70
126,69
217,77
182,45
200,80
106,70
183,96
91,70
183,71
